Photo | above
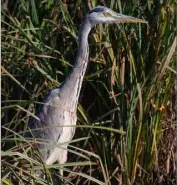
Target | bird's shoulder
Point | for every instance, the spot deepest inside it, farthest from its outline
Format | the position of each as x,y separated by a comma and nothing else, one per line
51,99
52,96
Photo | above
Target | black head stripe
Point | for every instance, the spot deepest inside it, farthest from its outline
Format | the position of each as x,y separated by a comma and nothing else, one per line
98,9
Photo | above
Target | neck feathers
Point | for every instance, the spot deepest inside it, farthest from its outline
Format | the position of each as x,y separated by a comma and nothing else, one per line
73,83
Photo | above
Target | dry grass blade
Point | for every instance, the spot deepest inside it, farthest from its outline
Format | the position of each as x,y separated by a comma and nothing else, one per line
29,113
11,76
140,102
168,59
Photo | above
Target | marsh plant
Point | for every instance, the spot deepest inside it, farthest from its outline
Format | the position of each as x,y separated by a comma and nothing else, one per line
125,132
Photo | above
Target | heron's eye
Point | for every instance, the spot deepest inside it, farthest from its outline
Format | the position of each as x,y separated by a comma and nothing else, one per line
107,14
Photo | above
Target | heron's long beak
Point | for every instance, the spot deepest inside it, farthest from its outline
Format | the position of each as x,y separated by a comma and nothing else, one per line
128,19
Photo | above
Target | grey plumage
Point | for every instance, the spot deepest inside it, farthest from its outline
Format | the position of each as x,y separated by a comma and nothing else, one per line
59,107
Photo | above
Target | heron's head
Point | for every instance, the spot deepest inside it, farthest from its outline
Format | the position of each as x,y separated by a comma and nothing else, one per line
104,15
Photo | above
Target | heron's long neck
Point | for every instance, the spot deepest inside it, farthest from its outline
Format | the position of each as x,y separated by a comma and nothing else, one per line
73,83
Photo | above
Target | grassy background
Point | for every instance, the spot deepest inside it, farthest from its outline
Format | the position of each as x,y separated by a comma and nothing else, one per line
126,116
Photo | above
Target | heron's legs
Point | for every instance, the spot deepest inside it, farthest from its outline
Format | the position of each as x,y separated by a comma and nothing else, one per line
62,159
58,154
53,156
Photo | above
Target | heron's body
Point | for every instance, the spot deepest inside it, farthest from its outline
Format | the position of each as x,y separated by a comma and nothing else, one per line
57,116
54,119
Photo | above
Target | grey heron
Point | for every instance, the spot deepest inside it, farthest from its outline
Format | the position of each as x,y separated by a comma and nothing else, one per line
57,115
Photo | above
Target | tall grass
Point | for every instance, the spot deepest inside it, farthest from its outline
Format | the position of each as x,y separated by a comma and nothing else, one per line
126,122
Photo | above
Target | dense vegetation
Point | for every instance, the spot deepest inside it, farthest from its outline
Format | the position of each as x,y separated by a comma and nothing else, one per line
126,116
